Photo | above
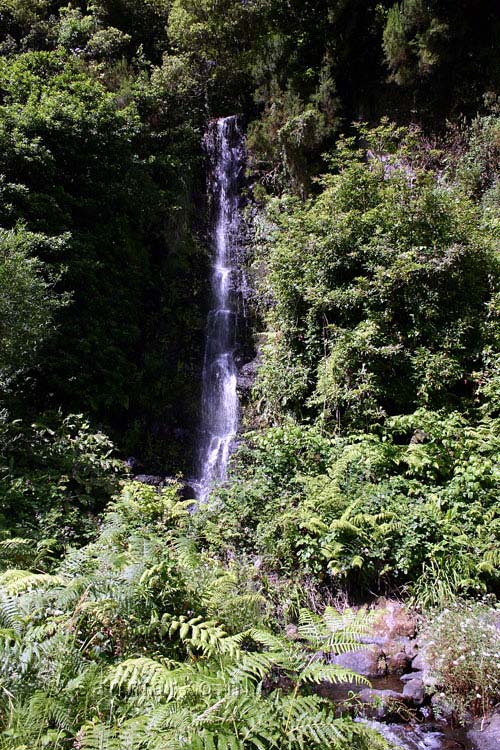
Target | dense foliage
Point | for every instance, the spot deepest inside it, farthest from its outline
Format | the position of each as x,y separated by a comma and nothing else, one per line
96,201
108,660
368,462
379,297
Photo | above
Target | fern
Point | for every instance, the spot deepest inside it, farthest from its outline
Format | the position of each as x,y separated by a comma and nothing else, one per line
126,647
16,581
333,631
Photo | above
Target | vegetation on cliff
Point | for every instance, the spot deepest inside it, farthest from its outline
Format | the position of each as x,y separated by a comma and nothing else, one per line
368,461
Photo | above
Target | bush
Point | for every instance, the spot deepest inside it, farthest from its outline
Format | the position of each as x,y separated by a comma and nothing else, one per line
56,475
462,651
375,292
412,506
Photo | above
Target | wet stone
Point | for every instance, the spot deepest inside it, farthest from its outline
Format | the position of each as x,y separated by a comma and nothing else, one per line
414,691
381,704
369,662
485,735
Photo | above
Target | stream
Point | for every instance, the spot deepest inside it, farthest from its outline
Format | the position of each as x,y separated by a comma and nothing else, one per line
419,731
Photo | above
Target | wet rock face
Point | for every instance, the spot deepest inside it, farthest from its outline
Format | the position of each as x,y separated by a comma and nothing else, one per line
247,374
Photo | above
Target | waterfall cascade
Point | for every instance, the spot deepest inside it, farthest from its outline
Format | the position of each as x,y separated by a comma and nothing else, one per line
220,408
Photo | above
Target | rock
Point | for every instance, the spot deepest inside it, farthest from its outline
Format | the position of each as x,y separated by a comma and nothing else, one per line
369,662
389,646
410,646
397,662
188,491
150,479
380,704
394,621
371,638
485,735
292,632
412,676
419,664
411,736
414,691
246,375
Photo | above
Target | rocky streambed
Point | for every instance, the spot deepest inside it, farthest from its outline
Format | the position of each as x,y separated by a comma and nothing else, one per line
400,703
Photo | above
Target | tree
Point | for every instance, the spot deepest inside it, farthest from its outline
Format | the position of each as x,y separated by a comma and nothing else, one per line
28,300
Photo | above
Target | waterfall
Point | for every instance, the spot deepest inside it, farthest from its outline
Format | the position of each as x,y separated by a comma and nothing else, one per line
220,408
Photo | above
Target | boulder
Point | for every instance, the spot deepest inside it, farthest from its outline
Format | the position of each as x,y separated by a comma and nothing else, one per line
380,704
369,662
414,691
410,646
394,621
485,734
412,676
397,661
419,664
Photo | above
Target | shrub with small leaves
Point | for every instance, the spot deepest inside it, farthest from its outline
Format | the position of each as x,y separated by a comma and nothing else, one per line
462,650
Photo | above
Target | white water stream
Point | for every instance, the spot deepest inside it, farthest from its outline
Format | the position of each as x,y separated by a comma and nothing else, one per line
220,408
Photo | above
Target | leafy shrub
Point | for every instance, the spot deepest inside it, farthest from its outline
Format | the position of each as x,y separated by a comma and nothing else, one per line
462,653
29,301
412,506
74,28
55,477
371,292
107,44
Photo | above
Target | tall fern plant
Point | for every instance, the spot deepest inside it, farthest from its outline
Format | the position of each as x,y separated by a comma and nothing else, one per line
122,648
251,691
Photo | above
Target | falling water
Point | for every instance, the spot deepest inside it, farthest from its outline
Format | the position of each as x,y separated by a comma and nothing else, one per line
220,407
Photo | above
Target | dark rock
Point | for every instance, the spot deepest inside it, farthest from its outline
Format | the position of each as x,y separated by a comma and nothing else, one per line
485,734
246,375
414,691
187,491
381,704
150,479
397,662
369,662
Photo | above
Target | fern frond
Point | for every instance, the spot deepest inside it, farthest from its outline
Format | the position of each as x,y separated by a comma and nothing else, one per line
15,581
318,672
150,676
334,631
